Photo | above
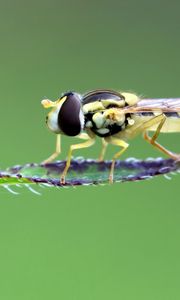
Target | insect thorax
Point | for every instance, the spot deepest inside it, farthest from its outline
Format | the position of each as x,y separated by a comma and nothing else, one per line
102,112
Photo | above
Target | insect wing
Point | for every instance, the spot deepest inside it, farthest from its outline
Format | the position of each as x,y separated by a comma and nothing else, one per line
154,105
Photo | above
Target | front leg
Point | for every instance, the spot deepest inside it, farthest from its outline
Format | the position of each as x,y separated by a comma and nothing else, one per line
57,151
88,143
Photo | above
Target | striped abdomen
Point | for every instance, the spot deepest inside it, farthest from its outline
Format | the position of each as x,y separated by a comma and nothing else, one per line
172,123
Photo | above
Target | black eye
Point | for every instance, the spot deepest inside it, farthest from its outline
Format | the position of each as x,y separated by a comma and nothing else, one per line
70,118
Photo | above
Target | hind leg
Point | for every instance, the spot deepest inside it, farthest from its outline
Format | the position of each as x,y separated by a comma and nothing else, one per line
152,140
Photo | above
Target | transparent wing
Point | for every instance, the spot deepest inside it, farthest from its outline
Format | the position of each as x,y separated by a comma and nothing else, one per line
153,105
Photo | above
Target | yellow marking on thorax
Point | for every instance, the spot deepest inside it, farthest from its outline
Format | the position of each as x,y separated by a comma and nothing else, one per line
102,105
107,102
131,99
93,106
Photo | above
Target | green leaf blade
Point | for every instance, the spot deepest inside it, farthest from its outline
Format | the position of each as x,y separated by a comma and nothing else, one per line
86,172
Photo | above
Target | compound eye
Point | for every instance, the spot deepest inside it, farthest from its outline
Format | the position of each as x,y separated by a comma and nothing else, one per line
70,117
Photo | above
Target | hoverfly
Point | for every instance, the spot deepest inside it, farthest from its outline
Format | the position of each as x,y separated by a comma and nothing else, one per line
113,116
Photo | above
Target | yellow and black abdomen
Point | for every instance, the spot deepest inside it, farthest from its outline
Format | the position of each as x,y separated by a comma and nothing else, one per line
171,124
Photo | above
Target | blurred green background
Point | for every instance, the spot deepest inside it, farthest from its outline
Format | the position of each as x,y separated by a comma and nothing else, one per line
108,242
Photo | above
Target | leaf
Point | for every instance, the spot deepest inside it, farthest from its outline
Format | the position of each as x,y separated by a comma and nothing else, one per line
85,172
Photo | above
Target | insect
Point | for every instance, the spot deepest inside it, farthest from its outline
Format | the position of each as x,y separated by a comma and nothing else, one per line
113,116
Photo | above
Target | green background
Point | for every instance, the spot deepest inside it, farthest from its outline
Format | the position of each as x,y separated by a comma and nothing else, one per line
107,242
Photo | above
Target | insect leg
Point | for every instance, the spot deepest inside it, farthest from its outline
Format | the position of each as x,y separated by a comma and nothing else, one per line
103,150
56,153
142,127
120,143
88,143
152,140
